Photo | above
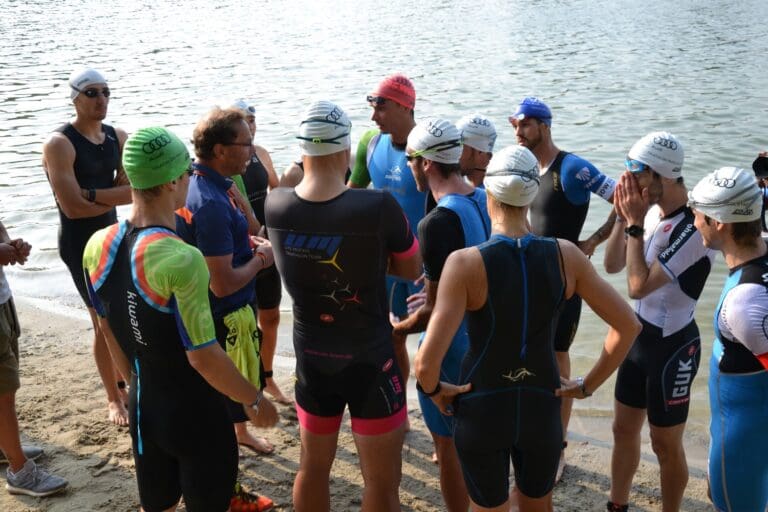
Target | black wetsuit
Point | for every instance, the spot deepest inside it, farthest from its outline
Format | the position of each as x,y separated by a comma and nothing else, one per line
554,214
333,256
95,167
158,310
256,181
512,410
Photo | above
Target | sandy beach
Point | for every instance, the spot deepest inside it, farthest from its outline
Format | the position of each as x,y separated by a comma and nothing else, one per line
62,408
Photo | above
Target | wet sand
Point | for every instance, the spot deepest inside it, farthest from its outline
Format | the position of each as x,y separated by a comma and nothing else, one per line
62,408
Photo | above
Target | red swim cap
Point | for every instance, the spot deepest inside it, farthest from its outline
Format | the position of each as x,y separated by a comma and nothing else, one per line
397,88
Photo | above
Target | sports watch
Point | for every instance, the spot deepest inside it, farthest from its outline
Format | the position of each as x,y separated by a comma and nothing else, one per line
580,383
634,231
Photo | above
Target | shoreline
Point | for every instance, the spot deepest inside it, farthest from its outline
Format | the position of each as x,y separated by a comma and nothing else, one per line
62,408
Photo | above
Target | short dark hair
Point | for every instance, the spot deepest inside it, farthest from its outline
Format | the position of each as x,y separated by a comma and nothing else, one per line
219,126
746,234
447,169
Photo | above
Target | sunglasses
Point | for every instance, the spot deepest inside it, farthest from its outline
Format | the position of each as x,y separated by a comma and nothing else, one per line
375,100
636,165
412,157
248,144
93,93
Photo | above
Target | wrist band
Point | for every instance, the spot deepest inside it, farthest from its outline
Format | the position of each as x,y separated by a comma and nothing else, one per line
92,195
432,393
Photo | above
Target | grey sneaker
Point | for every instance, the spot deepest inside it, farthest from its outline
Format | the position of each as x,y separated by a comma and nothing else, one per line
33,481
30,452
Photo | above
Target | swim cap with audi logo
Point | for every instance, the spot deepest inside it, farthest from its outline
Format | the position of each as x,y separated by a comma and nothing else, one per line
435,139
512,176
662,151
728,194
397,88
154,156
325,129
477,131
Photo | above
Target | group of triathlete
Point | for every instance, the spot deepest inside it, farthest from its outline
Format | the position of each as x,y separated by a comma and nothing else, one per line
495,239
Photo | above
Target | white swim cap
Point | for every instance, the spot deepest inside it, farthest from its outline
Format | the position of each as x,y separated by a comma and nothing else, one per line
728,194
82,78
325,129
243,106
477,131
437,140
662,152
512,176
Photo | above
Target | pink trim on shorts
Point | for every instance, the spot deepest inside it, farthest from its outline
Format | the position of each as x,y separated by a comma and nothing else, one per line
379,426
408,252
319,425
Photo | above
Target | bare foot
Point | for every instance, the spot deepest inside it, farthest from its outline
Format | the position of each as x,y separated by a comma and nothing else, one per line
274,392
256,444
118,414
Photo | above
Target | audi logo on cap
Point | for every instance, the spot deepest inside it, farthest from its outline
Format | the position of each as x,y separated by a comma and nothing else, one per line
480,122
434,130
333,115
665,143
724,182
158,142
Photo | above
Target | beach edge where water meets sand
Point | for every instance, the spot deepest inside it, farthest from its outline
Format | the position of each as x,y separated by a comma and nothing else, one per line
61,407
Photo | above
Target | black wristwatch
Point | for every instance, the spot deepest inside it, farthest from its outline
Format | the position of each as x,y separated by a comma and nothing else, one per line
634,231
91,195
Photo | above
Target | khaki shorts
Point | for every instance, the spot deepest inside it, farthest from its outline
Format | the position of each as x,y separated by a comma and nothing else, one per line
9,348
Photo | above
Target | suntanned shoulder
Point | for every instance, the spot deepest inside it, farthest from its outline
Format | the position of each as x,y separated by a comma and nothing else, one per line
57,149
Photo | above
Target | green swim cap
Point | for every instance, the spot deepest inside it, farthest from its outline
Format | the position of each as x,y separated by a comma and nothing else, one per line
154,156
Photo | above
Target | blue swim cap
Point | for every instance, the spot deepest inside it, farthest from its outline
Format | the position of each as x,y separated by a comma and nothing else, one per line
531,106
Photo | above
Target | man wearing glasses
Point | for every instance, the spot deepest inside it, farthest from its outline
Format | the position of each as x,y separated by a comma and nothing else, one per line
82,161
380,159
667,267
216,220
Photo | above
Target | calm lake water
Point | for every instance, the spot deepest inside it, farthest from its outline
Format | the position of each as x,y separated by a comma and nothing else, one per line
611,71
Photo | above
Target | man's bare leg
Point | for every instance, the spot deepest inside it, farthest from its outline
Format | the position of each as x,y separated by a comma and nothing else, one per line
667,444
269,319
118,414
9,432
627,424
311,491
452,484
381,465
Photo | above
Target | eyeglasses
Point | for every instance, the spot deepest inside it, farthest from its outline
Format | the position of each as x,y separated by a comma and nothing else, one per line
636,165
93,93
248,144
375,100
412,157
